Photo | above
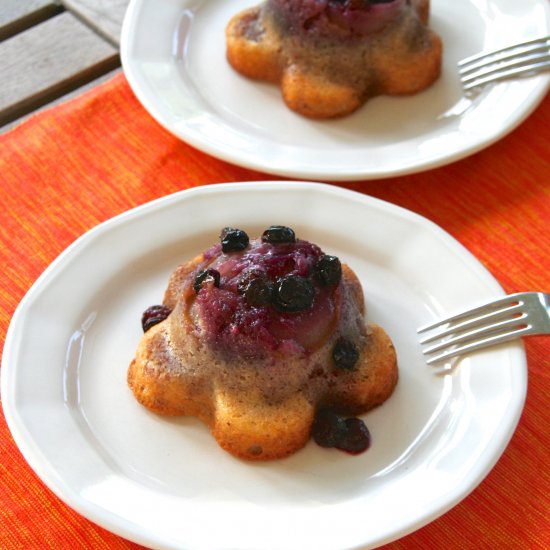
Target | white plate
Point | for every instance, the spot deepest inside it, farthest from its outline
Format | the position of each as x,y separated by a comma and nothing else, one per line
165,482
173,54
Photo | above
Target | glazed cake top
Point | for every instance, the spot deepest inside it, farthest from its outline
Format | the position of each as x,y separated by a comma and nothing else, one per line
336,17
268,296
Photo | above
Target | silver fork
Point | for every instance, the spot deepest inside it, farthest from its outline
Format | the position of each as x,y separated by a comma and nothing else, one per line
508,318
526,58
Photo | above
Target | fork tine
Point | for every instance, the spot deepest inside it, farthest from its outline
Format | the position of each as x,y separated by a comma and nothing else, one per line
474,346
464,337
509,60
521,59
522,71
485,69
504,319
504,51
478,320
511,300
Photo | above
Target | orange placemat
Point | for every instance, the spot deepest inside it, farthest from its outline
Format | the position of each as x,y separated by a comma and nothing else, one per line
71,167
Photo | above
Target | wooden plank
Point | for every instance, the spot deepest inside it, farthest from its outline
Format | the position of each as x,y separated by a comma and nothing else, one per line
48,61
104,16
18,15
71,95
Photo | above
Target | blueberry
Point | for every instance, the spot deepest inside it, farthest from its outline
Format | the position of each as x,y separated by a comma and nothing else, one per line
345,354
347,434
278,234
153,316
246,277
205,275
328,270
354,438
233,240
258,291
293,293
327,428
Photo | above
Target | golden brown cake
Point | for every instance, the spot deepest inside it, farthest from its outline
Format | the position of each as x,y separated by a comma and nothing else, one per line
330,56
260,339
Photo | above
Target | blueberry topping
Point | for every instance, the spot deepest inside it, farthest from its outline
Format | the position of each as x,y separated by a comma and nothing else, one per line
233,240
294,293
360,4
153,316
327,428
347,434
345,354
206,275
328,270
278,234
258,291
356,438
355,4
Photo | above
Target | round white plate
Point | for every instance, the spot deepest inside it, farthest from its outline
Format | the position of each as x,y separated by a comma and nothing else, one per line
164,482
173,54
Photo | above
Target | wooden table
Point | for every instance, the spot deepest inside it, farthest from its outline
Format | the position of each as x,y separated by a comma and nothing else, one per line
52,49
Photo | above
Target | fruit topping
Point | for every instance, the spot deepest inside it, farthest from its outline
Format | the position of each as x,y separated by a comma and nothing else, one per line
359,4
347,434
278,234
205,276
328,270
356,437
327,428
153,316
263,298
344,354
258,291
293,293
346,17
233,240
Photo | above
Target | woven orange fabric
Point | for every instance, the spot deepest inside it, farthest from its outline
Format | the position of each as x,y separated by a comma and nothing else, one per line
71,167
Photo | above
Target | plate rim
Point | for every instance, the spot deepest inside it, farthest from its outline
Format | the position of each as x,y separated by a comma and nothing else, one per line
124,527
134,77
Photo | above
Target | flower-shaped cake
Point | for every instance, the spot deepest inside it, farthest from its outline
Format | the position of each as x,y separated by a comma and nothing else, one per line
260,339
330,56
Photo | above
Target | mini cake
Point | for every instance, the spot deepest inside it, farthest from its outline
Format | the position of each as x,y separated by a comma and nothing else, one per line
264,340
330,56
